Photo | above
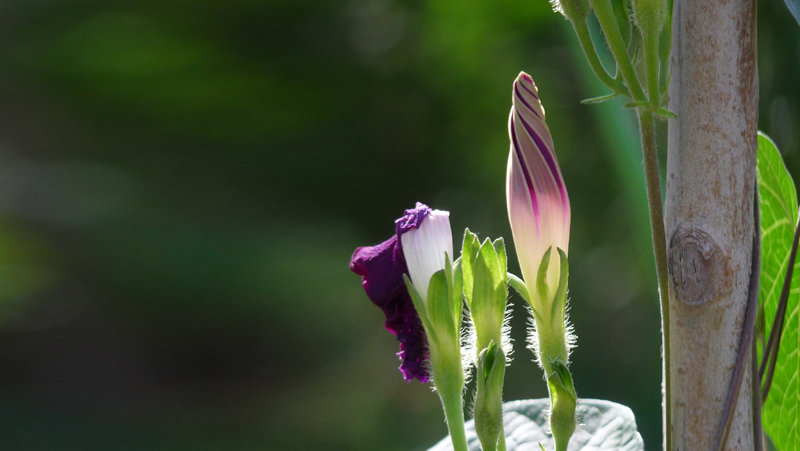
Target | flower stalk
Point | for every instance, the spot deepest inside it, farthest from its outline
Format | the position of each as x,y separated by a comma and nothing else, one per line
652,20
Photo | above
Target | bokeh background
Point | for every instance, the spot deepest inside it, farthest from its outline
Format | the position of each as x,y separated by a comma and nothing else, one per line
182,184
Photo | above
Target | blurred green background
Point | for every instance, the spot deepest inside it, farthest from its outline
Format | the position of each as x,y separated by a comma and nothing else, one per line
182,184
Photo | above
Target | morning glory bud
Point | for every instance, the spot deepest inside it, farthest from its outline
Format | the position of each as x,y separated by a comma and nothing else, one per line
539,212
649,15
538,205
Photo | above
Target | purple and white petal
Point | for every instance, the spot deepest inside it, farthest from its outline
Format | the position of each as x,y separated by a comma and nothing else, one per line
381,268
538,204
427,246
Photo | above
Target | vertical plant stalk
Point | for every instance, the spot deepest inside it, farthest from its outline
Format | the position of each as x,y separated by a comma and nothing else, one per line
453,403
647,129
709,215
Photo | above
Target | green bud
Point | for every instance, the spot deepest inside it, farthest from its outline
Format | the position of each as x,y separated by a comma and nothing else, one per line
562,401
489,396
649,16
485,280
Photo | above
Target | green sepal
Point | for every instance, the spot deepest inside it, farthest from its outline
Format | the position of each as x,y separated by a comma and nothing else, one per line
419,304
468,252
500,247
560,299
543,291
439,308
489,396
456,287
516,282
490,293
563,400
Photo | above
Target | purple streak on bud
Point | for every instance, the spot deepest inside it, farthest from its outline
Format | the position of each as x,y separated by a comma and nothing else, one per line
538,204
520,160
381,268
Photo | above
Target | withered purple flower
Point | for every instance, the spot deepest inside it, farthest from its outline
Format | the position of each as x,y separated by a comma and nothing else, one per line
381,268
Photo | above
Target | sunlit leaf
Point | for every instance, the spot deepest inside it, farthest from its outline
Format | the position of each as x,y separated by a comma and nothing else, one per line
778,205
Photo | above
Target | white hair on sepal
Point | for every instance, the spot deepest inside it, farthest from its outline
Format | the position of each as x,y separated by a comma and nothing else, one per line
505,333
533,336
556,5
468,343
569,329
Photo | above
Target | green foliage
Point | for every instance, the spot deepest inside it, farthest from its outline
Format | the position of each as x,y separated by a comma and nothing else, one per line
602,425
778,205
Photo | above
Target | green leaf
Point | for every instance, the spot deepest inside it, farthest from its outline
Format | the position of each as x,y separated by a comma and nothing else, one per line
601,425
600,99
778,205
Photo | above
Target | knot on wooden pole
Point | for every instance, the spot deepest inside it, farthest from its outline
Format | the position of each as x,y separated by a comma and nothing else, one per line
696,265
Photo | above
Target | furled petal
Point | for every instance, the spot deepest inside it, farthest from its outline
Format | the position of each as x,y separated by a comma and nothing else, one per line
381,268
427,241
538,205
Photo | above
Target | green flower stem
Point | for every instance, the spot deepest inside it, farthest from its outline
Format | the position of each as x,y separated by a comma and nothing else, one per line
587,45
647,129
453,403
651,65
501,444
608,22
448,378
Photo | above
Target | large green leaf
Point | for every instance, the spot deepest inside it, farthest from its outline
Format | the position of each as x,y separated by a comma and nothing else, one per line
778,204
602,425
